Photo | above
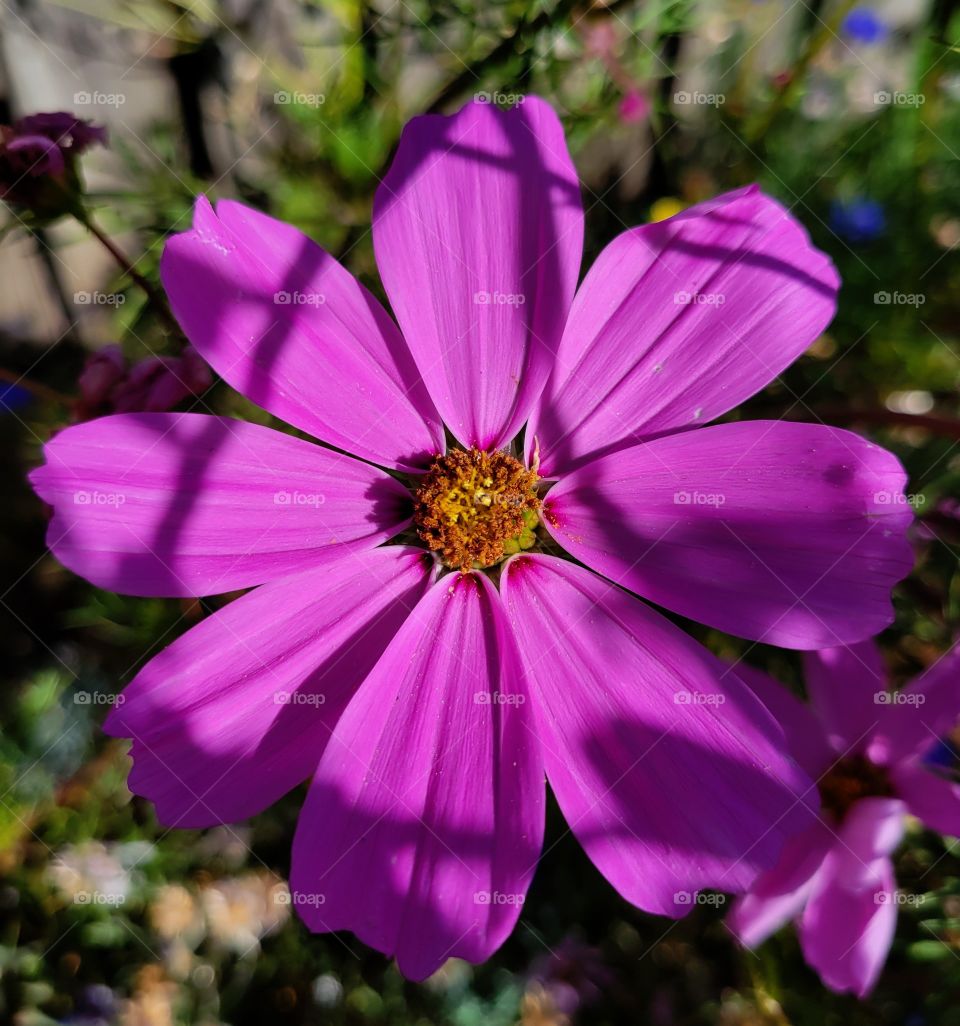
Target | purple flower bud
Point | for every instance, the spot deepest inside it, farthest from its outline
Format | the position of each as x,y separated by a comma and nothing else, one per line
37,161
158,383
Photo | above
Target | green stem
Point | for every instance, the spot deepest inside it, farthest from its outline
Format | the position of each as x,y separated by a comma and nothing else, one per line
123,262
818,40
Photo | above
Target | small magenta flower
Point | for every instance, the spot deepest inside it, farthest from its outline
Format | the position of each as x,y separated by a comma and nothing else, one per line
38,161
867,749
427,687
570,975
635,106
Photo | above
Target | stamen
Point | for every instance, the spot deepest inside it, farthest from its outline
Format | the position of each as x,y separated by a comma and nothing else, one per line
476,508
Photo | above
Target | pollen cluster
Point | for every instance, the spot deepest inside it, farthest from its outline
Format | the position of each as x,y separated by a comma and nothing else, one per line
476,508
848,781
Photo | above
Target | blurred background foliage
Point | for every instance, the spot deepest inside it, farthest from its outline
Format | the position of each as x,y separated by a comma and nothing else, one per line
850,115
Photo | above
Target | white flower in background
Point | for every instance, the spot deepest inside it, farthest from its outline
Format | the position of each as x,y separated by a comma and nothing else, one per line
240,910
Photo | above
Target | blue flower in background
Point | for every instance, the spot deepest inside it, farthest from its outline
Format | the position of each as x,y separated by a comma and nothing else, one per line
864,26
12,397
942,755
859,219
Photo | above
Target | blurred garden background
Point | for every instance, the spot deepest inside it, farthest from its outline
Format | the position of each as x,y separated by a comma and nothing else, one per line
848,113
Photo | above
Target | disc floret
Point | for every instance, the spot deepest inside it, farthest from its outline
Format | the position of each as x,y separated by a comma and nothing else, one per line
476,507
850,779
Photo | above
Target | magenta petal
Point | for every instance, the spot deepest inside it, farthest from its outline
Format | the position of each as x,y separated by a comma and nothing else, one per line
186,504
848,924
296,333
424,821
871,830
779,894
238,710
932,799
478,233
680,321
806,740
847,687
846,934
39,155
922,713
791,534
667,768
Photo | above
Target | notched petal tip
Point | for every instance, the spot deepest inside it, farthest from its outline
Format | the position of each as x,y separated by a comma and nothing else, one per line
502,183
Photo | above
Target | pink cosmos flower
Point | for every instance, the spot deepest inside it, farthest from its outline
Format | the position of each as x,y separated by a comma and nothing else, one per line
427,706
865,747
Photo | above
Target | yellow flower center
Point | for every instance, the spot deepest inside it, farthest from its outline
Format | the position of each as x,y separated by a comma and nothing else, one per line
476,508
